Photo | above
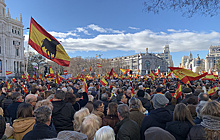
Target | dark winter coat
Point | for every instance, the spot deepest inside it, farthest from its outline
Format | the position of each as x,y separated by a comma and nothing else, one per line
146,103
136,116
158,118
188,97
62,115
5,103
40,131
179,129
197,132
128,130
81,103
170,107
2,97
110,120
12,110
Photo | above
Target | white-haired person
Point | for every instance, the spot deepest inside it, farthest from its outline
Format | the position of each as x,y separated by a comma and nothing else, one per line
79,117
90,125
105,133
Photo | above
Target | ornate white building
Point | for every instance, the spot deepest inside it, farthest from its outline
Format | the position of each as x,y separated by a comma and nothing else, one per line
212,57
166,56
11,44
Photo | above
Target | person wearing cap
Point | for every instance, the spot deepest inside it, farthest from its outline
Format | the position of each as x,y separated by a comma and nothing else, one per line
157,117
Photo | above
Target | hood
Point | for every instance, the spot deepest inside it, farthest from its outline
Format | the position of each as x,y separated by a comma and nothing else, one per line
57,106
22,124
162,115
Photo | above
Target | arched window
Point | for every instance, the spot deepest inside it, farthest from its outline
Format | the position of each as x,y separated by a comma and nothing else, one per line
147,65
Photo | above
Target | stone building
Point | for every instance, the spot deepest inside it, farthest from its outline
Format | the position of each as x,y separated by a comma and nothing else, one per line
212,58
142,61
11,44
166,56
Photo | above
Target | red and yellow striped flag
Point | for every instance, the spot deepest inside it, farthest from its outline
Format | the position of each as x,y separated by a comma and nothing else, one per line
8,85
212,90
40,77
8,72
34,77
178,92
103,82
99,65
152,75
46,45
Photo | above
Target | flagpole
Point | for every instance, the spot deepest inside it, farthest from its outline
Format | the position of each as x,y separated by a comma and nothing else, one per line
27,57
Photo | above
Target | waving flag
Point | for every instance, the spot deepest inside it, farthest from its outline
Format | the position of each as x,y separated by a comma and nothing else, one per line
46,45
34,77
178,92
124,71
152,75
85,86
90,68
27,75
58,78
186,75
40,77
8,85
99,65
51,72
8,72
212,90
103,82
83,69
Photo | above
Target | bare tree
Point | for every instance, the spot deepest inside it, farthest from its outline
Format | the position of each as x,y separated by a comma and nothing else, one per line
188,7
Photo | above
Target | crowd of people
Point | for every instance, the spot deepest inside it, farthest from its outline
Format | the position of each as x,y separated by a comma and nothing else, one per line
122,110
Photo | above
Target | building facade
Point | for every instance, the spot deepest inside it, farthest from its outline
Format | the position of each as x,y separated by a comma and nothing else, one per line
196,65
166,56
145,62
11,44
212,58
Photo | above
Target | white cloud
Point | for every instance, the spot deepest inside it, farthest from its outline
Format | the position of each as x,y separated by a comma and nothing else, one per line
110,39
80,29
133,28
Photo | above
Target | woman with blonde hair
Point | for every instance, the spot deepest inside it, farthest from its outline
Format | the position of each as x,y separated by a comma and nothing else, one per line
90,125
141,108
209,128
182,122
79,117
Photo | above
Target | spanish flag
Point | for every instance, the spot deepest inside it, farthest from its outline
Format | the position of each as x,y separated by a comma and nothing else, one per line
178,92
90,68
85,86
8,85
152,75
40,77
34,77
186,75
99,65
8,72
58,78
210,77
51,72
103,82
212,90
46,45
124,71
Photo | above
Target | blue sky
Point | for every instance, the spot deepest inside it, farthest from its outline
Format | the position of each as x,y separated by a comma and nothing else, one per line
118,27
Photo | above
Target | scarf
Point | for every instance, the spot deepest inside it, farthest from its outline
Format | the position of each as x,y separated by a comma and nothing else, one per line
211,122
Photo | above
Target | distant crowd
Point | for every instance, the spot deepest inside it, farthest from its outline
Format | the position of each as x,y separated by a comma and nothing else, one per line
122,110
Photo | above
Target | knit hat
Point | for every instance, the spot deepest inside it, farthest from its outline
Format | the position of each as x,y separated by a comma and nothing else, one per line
159,101
71,135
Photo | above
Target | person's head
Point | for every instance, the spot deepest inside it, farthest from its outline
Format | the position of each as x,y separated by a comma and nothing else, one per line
140,93
169,96
211,108
133,103
123,111
199,108
44,103
112,109
79,117
159,101
192,109
71,135
60,94
25,110
203,96
182,113
90,98
104,97
16,97
2,126
70,98
187,91
105,133
124,99
141,108
98,106
31,99
43,115
70,89
128,92
90,125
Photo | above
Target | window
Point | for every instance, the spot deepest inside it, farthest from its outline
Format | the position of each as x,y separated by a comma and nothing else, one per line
19,43
15,31
13,42
14,66
18,32
17,52
147,65
12,30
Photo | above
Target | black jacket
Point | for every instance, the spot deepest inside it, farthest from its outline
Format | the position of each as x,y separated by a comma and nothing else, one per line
158,118
179,129
128,130
197,132
40,131
12,110
62,115
2,97
170,107
81,103
146,103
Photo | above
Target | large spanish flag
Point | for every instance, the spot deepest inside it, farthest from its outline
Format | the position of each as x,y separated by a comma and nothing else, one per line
212,90
46,45
186,75
178,92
